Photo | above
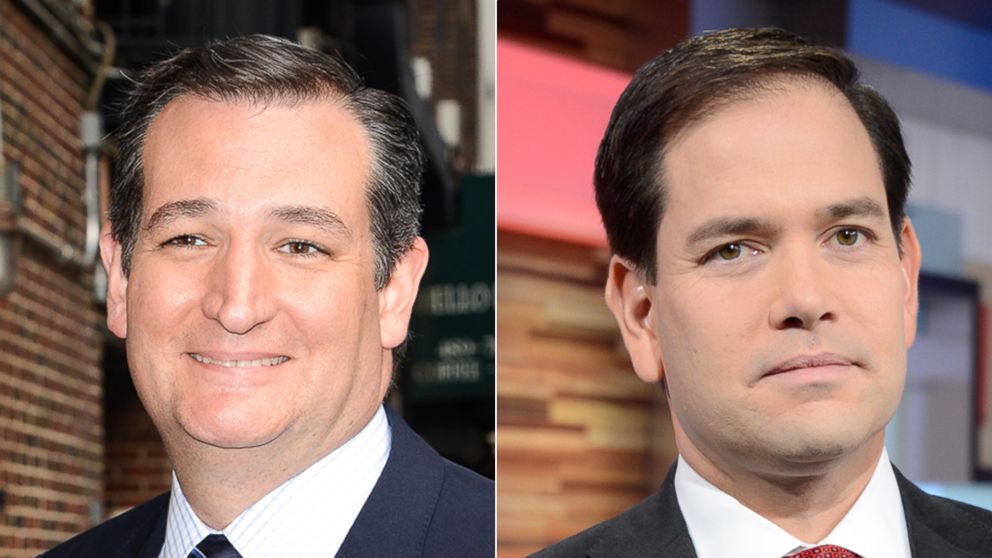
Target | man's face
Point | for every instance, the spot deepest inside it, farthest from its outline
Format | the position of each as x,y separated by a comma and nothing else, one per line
782,311
250,311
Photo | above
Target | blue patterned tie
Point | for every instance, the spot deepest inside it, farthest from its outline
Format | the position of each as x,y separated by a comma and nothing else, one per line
214,546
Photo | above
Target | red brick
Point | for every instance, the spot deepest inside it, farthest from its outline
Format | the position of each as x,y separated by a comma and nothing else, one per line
51,441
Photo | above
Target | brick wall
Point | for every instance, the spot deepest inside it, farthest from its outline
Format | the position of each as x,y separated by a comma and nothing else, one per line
51,440
448,39
137,465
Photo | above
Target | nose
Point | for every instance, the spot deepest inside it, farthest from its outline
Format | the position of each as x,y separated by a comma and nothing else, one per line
240,293
802,293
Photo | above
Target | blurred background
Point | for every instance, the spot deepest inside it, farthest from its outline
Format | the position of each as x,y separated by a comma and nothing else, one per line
580,437
75,443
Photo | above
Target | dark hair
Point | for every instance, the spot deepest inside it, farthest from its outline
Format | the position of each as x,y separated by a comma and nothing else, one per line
696,77
262,69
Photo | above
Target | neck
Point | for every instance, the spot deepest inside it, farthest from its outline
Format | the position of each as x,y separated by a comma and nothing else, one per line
807,500
221,483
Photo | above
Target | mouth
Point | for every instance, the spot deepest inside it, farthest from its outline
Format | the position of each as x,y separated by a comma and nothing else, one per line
811,362
239,363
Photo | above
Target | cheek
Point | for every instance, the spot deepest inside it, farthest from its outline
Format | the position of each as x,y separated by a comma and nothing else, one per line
876,303
692,342
148,356
335,318
702,327
159,294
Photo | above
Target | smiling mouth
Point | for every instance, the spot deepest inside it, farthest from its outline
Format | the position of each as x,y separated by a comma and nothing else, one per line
274,361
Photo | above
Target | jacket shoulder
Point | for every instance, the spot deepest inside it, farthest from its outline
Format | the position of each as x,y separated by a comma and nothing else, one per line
652,528
124,535
940,523
423,505
463,522
579,544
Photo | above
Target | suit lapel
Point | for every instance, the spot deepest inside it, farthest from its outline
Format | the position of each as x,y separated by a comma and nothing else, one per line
144,535
401,505
653,528
153,544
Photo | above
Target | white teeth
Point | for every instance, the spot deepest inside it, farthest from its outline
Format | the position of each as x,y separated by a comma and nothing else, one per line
240,363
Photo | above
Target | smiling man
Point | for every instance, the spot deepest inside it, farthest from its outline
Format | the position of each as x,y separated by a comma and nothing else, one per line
765,275
263,259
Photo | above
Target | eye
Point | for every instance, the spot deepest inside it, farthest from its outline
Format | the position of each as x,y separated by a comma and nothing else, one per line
848,237
184,241
302,248
730,251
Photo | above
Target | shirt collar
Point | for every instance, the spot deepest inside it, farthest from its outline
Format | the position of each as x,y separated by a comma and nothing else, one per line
308,515
719,525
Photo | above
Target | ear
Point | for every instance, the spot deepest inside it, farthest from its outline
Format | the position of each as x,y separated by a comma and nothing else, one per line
629,297
912,256
397,297
110,253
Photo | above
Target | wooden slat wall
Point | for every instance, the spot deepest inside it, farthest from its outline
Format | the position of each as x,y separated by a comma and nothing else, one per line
579,437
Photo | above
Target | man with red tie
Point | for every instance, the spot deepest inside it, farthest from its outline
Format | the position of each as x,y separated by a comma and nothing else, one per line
765,275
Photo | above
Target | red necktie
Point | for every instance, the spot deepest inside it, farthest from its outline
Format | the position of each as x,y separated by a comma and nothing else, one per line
825,551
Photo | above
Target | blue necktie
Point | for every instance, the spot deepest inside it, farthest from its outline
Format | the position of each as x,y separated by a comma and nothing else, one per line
214,546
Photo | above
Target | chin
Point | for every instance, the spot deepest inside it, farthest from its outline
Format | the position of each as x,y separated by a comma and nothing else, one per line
231,428
820,443
813,451
231,440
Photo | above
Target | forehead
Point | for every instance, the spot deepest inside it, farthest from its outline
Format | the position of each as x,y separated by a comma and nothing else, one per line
246,154
794,147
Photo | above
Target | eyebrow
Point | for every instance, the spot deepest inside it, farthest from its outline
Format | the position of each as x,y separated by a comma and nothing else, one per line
175,210
859,207
323,219
728,226
738,226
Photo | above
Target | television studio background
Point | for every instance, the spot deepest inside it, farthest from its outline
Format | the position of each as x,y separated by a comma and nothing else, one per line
580,437
76,446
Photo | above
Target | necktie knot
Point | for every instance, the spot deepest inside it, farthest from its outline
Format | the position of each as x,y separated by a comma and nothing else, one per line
825,551
214,546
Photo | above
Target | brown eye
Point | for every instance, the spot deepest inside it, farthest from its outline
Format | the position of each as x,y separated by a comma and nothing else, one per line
730,251
299,248
302,248
184,241
848,237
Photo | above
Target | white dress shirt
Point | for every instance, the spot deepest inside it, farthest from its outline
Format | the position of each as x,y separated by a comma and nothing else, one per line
719,525
308,515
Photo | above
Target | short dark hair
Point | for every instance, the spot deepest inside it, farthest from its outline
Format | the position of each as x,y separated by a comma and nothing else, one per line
696,77
263,69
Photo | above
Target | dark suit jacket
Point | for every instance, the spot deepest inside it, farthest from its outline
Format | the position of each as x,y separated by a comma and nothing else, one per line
938,528
422,505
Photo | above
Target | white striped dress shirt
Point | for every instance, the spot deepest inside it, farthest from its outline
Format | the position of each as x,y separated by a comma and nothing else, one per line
308,515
